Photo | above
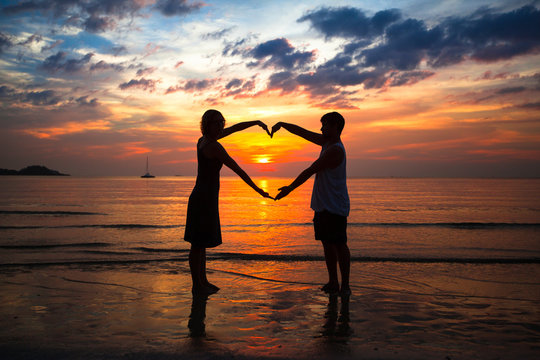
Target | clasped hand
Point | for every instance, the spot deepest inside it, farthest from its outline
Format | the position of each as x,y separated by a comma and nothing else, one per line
285,190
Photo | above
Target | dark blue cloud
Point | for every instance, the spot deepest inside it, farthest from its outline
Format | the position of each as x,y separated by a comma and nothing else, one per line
38,98
407,43
349,22
58,62
177,7
284,81
511,90
385,50
98,15
192,85
217,34
279,53
5,42
144,84
103,66
234,83
240,87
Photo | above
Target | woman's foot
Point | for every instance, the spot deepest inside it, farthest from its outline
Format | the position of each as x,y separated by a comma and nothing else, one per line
203,290
330,288
211,286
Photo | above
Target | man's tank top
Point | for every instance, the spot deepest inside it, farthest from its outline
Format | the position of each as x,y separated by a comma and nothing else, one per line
330,187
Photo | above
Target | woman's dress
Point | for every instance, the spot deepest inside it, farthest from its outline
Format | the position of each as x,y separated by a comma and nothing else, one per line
202,221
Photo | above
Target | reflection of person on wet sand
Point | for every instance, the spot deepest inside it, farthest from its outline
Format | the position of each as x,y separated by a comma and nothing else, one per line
202,219
337,325
330,199
198,314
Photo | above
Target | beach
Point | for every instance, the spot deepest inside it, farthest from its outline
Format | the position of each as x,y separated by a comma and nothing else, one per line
146,310
97,269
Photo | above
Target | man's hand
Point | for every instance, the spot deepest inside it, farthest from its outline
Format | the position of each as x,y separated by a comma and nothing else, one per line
275,128
283,191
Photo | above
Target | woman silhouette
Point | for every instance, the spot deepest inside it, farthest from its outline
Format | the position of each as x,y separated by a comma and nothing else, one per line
202,221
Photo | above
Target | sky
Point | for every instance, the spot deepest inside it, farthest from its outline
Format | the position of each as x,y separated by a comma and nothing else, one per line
441,89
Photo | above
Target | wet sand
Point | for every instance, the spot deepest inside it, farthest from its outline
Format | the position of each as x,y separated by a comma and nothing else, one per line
270,310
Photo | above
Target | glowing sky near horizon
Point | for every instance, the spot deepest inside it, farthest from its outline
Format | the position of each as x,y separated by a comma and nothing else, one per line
447,88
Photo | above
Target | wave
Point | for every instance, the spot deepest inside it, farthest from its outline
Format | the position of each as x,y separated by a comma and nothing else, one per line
276,258
53,246
233,227
82,226
42,212
453,225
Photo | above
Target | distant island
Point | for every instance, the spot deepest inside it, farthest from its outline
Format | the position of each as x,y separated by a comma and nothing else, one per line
33,170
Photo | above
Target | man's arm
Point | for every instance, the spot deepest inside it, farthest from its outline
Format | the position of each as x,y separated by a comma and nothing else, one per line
311,136
242,126
330,159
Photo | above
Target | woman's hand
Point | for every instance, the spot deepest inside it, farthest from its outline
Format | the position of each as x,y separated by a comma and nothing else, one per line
264,193
263,125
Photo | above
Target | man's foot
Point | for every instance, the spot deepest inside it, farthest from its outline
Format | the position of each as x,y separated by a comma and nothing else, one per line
345,291
330,288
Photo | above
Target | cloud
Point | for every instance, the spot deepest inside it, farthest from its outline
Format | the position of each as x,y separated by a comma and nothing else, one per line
237,47
97,24
387,50
240,88
144,84
285,81
177,7
496,36
192,86
279,53
146,71
58,62
92,15
511,90
98,15
103,66
52,46
11,96
5,42
348,22
533,106
83,101
482,36
215,35
118,50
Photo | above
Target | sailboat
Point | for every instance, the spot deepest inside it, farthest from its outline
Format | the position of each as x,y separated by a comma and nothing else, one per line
147,175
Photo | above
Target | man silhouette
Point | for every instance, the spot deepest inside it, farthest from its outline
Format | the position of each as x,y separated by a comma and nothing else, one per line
329,199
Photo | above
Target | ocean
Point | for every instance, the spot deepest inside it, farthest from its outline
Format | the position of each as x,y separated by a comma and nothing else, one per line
77,220
441,268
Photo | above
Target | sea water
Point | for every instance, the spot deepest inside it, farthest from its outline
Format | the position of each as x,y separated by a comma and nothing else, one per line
121,219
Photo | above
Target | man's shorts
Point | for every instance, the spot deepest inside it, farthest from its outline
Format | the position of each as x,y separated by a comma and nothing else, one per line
330,227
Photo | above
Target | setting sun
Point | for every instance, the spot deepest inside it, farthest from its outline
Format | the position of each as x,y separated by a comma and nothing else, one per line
263,160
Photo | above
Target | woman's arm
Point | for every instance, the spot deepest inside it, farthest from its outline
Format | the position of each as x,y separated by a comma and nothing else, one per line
311,136
242,126
218,151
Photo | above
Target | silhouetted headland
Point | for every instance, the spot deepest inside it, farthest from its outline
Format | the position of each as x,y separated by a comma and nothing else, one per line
33,170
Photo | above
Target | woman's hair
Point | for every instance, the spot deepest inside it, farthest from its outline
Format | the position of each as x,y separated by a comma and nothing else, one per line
208,117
